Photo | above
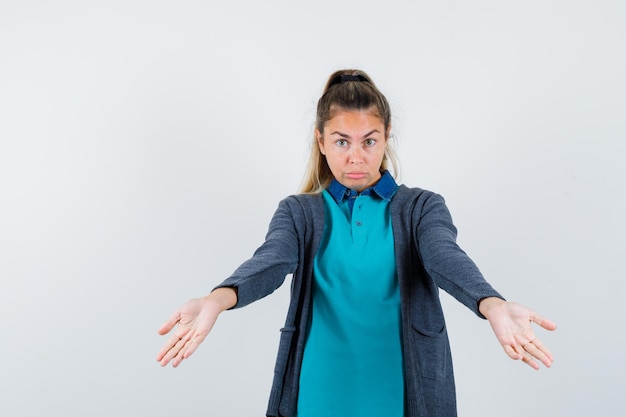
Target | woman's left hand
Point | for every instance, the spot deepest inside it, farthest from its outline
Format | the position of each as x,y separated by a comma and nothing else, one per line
511,323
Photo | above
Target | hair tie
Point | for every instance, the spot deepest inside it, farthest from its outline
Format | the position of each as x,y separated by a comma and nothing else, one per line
349,77
346,77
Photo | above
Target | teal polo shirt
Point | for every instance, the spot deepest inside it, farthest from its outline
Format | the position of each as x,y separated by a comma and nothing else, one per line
352,363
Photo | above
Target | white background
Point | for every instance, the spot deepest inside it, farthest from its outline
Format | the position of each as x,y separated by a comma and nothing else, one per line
144,146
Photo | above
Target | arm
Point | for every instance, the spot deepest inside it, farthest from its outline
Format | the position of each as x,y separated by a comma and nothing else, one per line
445,262
277,257
195,320
511,323
455,272
255,278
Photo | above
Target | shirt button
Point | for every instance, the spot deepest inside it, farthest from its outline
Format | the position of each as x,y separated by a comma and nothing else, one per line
358,223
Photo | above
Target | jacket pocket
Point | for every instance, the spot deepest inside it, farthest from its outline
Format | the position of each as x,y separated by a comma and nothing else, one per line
284,347
432,351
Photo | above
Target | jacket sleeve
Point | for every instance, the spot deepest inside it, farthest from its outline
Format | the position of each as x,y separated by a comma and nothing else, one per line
277,257
444,261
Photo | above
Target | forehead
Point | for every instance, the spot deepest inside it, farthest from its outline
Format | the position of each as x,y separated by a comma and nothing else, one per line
354,119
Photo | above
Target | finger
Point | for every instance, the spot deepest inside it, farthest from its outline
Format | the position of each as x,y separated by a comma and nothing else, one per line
173,351
171,342
184,352
178,358
169,348
166,353
192,345
512,352
541,352
528,359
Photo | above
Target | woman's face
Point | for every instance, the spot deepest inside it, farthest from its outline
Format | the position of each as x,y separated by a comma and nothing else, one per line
354,144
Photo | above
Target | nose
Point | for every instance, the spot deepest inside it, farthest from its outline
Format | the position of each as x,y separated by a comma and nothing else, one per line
355,156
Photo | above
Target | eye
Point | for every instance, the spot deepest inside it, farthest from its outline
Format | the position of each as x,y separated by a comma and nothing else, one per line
370,142
342,143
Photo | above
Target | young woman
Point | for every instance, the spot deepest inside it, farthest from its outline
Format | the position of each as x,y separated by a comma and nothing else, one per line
365,332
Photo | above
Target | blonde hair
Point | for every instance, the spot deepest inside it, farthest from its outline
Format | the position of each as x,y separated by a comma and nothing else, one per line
347,89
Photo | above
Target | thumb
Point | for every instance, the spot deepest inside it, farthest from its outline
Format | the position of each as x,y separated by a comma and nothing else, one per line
169,324
543,322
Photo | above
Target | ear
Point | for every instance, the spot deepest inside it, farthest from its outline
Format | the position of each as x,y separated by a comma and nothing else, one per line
320,141
387,133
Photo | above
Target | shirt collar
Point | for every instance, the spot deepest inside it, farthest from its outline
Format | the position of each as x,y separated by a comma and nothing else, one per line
385,188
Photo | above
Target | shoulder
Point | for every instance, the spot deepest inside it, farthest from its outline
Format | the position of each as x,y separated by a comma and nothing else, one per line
303,206
303,200
415,196
414,204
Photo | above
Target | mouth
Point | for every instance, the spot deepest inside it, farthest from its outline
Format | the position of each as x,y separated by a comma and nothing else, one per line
356,175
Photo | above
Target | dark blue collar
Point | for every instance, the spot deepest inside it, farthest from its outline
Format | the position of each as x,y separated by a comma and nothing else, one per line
385,188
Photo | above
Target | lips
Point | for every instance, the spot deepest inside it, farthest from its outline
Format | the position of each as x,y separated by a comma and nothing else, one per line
356,175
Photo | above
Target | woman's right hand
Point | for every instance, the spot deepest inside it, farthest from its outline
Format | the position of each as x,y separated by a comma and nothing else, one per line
195,320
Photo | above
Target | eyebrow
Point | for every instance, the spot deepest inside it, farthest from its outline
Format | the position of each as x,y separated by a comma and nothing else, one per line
344,135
